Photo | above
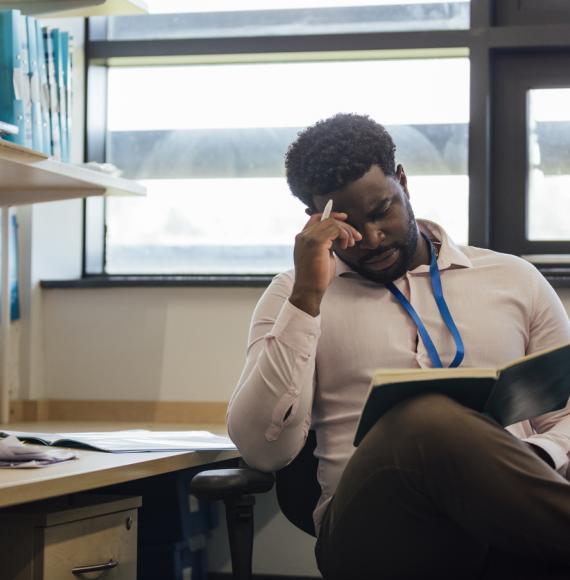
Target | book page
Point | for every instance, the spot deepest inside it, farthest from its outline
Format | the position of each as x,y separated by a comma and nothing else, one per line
385,376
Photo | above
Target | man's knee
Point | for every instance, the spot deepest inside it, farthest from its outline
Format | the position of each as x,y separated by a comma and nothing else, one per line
427,412
426,419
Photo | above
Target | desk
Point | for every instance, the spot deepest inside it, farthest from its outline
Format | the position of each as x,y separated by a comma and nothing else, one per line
148,472
94,469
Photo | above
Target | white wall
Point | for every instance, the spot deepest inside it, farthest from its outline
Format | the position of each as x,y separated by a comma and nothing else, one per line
173,344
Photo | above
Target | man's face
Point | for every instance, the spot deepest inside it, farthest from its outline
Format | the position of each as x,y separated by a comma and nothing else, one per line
379,208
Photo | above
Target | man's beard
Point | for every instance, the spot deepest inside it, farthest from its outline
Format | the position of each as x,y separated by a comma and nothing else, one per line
407,251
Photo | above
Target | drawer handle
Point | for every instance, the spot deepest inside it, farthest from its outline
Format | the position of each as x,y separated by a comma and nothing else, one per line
95,568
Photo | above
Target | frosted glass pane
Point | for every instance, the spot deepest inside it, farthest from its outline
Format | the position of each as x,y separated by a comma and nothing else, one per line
548,193
212,159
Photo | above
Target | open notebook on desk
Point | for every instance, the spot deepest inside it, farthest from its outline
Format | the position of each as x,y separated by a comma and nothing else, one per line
130,441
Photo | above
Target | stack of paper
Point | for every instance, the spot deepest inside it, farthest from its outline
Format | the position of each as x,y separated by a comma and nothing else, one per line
130,441
13,453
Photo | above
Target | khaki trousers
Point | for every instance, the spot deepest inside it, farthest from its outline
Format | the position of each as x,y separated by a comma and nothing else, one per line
436,490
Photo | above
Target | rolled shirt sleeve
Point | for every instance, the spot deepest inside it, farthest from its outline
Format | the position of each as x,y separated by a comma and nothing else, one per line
269,413
556,440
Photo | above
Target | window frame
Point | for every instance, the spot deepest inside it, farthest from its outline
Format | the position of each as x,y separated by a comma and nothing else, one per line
515,74
485,42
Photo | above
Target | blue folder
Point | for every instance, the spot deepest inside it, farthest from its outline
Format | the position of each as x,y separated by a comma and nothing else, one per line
35,90
44,89
53,93
12,75
57,40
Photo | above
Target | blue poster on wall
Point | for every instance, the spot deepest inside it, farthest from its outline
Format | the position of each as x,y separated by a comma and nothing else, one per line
14,269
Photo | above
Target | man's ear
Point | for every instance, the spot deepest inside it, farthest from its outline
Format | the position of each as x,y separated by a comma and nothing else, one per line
311,209
402,179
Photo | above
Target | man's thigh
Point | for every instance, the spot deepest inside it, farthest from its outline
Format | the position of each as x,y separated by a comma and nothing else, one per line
385,527
429,487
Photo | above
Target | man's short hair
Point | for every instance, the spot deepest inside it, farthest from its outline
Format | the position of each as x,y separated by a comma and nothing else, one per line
335,152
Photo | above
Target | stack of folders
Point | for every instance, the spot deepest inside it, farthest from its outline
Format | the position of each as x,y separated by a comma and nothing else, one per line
35,83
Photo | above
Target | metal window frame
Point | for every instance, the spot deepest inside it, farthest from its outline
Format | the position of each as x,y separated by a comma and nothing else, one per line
485,42
514,76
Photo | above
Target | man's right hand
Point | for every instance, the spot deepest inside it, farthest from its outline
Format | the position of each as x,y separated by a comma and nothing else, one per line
314,262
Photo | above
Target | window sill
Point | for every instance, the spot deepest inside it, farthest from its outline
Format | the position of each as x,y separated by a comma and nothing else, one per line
222,281
558,276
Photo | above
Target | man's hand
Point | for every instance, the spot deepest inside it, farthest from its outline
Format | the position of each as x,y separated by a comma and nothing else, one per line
537,450
314,262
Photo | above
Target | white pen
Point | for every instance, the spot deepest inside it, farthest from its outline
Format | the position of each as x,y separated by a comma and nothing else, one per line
327,210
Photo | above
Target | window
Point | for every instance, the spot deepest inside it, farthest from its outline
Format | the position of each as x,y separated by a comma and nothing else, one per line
475,105
228,18
212,157
530,186
548,203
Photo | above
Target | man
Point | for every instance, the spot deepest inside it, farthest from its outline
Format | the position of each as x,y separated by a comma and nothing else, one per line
434,490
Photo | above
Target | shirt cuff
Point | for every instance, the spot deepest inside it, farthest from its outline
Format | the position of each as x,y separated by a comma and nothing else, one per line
557,453
297,329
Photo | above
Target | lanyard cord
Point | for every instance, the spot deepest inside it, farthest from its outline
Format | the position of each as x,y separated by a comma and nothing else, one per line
443,310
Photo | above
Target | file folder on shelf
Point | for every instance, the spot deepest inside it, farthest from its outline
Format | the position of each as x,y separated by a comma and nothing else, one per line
12,75
25,84
53,95
66,95
44,89
37,127
57,39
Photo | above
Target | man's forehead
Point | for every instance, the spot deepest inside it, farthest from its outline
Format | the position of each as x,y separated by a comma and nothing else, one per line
366,195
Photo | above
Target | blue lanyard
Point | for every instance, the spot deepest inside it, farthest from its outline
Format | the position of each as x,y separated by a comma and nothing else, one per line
443,309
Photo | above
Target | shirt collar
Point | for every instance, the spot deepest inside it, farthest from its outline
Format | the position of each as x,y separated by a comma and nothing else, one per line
450,254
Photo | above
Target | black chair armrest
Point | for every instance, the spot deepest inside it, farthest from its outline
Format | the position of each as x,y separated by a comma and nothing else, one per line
223,484
236,488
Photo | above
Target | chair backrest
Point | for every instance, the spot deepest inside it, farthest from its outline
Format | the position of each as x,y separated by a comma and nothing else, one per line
298,490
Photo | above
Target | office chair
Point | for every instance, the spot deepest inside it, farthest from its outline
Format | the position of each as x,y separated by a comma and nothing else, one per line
297,494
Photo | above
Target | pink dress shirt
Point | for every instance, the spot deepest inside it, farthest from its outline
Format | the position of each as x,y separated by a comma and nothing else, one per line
307,372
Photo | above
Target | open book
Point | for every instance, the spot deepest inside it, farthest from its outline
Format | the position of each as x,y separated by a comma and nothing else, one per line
130,441
526,388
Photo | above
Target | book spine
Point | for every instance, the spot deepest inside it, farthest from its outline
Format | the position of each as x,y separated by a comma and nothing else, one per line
44,89
24,81
57,39
53,96
12,85
34,74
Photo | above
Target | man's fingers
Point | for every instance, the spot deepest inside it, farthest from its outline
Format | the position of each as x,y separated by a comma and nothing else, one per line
346,238
346,235
331,229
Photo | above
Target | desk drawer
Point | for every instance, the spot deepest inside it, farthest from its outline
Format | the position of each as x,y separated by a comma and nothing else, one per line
70,538
109,540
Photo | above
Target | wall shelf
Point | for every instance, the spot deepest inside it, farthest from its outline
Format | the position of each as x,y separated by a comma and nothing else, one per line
70,8
31,177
